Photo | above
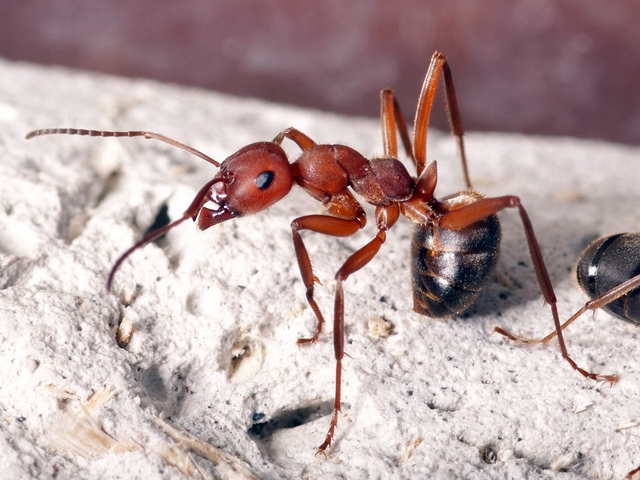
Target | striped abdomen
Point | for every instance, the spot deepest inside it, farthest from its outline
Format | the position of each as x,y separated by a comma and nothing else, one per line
450,268
605,264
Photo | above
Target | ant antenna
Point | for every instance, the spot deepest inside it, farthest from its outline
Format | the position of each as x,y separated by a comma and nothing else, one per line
104,133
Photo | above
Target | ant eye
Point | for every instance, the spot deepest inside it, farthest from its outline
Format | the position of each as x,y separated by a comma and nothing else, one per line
264,179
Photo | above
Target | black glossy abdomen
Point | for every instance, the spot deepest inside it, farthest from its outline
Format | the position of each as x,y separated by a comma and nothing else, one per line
605,264
450,269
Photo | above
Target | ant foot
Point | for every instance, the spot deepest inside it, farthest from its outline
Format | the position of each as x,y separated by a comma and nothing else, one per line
308,341
520,340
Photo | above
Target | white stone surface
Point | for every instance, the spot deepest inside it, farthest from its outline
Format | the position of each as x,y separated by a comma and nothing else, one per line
423,402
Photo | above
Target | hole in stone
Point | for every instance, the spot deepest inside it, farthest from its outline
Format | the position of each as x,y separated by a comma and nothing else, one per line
162,220
247,356
489,454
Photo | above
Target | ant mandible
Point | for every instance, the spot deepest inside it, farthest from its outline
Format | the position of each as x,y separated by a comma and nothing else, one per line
456,241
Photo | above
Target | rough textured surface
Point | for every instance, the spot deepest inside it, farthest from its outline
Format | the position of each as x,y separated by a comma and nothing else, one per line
216,314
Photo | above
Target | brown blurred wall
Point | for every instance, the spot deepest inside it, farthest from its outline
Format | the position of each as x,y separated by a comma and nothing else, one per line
560,67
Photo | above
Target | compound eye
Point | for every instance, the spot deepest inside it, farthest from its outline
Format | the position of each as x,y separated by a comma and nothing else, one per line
264,179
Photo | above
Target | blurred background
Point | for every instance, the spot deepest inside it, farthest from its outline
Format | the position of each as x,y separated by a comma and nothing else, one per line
558,67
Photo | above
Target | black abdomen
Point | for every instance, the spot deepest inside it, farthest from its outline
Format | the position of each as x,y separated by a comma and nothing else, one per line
605,264
450,268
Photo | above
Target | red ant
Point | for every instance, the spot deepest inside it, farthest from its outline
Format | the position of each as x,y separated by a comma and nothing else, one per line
456,241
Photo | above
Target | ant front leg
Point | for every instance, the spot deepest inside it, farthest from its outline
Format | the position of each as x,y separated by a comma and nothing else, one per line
473,212
326,225
191,212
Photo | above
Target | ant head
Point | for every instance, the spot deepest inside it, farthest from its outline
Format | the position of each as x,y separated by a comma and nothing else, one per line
251,180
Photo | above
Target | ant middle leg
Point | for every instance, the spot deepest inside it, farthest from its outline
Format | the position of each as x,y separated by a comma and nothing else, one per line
439,65
392,118
295,135
386,217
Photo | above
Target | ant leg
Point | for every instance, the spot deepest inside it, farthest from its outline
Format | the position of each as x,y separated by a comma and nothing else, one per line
473,212
437,66
632,473
149,238
349,218
191,212
326,225
392,119
354,263
601,301
295,135
385,219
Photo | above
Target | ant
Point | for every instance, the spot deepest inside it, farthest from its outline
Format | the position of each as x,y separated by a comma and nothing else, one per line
456,240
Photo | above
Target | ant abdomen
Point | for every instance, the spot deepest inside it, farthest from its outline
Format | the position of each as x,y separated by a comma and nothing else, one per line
450,268
606,263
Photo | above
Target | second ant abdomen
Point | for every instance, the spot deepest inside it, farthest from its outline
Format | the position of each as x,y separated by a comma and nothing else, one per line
606,263
450,268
